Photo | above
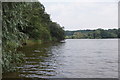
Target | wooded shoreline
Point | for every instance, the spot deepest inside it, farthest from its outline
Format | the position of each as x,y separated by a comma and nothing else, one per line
25,23
93,34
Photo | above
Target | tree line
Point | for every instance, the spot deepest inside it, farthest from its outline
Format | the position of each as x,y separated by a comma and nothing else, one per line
93,34
23,21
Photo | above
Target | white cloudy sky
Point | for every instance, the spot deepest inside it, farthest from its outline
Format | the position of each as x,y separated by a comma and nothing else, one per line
83,14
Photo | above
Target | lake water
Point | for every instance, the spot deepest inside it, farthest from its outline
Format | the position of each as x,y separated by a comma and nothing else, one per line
77,58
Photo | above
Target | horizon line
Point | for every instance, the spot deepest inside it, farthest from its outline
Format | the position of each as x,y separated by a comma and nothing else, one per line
89,29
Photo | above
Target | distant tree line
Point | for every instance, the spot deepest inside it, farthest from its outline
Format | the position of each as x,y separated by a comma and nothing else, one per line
24,21
93,34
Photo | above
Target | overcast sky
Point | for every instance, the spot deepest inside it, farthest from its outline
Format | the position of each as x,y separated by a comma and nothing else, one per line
83,14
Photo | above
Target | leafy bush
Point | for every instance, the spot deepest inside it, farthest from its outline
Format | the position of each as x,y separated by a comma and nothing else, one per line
23,22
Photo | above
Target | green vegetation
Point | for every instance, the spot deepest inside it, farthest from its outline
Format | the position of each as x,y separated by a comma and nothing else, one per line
93,34
25,22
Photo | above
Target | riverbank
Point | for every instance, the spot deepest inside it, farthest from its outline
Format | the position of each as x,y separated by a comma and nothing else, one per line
26,27
93,34
32,42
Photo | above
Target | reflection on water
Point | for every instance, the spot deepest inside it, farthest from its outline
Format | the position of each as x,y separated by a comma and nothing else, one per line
40,61
77,58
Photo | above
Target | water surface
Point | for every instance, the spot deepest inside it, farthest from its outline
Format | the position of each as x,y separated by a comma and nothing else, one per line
77,58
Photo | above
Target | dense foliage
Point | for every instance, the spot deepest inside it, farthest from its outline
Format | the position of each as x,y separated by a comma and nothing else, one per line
21,22
93,34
